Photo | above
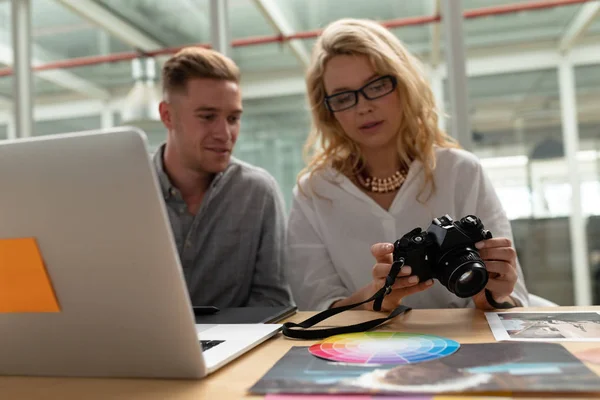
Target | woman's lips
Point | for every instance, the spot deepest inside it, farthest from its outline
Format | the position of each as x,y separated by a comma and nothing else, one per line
370,126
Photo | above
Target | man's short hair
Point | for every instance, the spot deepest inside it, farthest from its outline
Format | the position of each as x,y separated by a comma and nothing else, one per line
197,63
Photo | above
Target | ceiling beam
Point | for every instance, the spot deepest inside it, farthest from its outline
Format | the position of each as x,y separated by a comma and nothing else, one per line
292,82
276,87
579,24
274,15
60,77
112,23
533,60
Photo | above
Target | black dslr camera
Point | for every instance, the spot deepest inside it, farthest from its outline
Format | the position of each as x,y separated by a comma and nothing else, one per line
446,251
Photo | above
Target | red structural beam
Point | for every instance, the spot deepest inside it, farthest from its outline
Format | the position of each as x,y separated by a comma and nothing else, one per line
260,40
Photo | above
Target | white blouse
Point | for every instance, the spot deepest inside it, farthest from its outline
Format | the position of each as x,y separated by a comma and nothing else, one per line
332,225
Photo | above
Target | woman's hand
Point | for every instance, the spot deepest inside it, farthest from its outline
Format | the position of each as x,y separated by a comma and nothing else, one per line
501,263
405,284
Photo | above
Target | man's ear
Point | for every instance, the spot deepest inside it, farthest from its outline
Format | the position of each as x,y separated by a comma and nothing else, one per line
166,114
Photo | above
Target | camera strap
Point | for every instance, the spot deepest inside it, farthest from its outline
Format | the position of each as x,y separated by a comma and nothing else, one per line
299,330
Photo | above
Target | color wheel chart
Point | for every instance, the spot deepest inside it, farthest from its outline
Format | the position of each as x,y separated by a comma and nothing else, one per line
384,348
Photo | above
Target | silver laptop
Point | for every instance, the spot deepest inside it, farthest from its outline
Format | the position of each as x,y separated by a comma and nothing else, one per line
92,203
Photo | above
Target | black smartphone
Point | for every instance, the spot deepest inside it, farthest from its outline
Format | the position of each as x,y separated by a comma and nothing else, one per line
205,310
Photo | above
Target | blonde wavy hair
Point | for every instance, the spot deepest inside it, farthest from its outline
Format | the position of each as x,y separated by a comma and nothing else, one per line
327,144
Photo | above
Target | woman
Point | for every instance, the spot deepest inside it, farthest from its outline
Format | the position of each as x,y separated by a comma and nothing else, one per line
379,167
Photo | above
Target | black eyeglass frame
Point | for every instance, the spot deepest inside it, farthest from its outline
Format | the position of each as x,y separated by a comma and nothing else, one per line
361,91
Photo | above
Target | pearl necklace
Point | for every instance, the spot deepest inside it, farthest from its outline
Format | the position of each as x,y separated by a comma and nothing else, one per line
382,185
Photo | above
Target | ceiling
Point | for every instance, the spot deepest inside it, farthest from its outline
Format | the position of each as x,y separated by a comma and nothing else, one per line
501,103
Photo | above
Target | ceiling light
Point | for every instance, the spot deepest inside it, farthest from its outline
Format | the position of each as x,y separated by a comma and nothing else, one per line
141,103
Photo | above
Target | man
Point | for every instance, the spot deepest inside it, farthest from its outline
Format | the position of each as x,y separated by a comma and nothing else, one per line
227,216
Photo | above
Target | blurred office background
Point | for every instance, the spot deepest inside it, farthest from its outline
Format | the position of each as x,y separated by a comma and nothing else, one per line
520,80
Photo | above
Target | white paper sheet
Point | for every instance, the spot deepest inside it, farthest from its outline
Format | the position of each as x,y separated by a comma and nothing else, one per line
545,326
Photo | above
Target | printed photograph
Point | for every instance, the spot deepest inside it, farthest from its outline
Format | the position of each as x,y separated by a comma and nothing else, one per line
544,326
517,367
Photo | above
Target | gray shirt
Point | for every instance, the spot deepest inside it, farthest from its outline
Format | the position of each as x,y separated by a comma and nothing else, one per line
232,250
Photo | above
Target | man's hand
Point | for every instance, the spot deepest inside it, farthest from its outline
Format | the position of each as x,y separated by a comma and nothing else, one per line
501,263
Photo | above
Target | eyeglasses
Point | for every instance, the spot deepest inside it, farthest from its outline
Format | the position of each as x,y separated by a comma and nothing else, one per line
371,91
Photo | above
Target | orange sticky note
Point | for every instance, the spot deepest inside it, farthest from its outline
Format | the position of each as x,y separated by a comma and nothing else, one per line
24,282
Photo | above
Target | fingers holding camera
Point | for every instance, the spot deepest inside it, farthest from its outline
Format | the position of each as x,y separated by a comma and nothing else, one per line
501,270
383,252
410,283
494,242
500,288
500,260
500,249
405,284
394,299
401,283
381,270
507,254
502,275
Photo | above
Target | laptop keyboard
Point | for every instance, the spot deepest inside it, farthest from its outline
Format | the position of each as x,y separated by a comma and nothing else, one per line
207,344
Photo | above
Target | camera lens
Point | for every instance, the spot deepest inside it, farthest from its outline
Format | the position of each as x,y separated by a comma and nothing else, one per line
472,281
465,278
463,273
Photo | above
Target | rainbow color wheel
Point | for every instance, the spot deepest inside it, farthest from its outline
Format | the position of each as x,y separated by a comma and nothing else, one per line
383,348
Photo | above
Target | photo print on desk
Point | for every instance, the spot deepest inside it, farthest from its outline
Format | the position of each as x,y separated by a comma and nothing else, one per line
497,368
532,326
